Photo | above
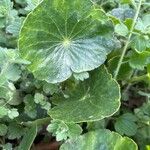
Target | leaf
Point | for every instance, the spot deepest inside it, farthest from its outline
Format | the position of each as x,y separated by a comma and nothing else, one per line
100,140
49,88
121,29
14,27
143,113
3,129
15,131
41,99
139,60
143,24
3,111
28,138
62,37
125,71
31,4
143,136
13,113
81,76
139,43
123,13
64,130
125,124
30,106
92,100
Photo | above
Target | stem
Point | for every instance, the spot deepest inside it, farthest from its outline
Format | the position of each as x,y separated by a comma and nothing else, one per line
139,78
38,122
128,40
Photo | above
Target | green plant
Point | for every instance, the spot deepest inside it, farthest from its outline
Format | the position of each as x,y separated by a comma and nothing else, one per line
77,71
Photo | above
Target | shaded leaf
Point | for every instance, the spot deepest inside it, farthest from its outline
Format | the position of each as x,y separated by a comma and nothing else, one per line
3,129
125,124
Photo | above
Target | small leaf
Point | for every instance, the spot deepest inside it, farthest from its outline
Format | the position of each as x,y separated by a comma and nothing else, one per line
13,113
100,140
125,124
139,43
139,60
3,111
125,71
49,88
30,106
81,76
64,130
28,138
3,129
121,29
92,100
15,131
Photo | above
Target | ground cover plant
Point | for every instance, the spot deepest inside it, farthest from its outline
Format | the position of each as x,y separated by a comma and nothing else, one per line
75,74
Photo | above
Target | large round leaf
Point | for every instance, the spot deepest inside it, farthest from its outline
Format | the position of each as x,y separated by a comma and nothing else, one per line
94,99
100,140
62,37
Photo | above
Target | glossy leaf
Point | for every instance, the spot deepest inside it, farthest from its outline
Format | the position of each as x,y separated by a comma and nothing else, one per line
100,140
94,99
65,37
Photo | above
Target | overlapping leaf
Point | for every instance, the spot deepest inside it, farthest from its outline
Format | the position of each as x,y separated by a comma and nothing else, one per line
65,37
92,100
100,140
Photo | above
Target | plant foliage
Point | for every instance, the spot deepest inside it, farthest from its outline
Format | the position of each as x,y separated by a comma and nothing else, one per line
76,73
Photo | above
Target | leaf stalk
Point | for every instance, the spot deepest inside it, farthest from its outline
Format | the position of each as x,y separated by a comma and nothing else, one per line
128,40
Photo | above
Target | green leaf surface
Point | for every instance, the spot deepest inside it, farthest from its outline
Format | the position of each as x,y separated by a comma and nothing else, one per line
125,124
94,99
140,60
3,129
65,37
28,139
121,29
3,111
15,131
64,130
100,140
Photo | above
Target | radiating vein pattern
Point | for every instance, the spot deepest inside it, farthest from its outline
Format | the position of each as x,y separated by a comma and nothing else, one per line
64,37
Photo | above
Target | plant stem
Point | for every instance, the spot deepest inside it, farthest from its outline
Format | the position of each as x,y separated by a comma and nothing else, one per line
128,40
38,122
139,78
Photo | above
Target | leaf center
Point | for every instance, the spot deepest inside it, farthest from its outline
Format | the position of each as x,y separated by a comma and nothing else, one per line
66,42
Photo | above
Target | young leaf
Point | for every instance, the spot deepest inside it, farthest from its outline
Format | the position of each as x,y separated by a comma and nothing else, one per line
100,140
30,106
121,29
64,130
63,37
13,113
96,98
3,111
28,139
